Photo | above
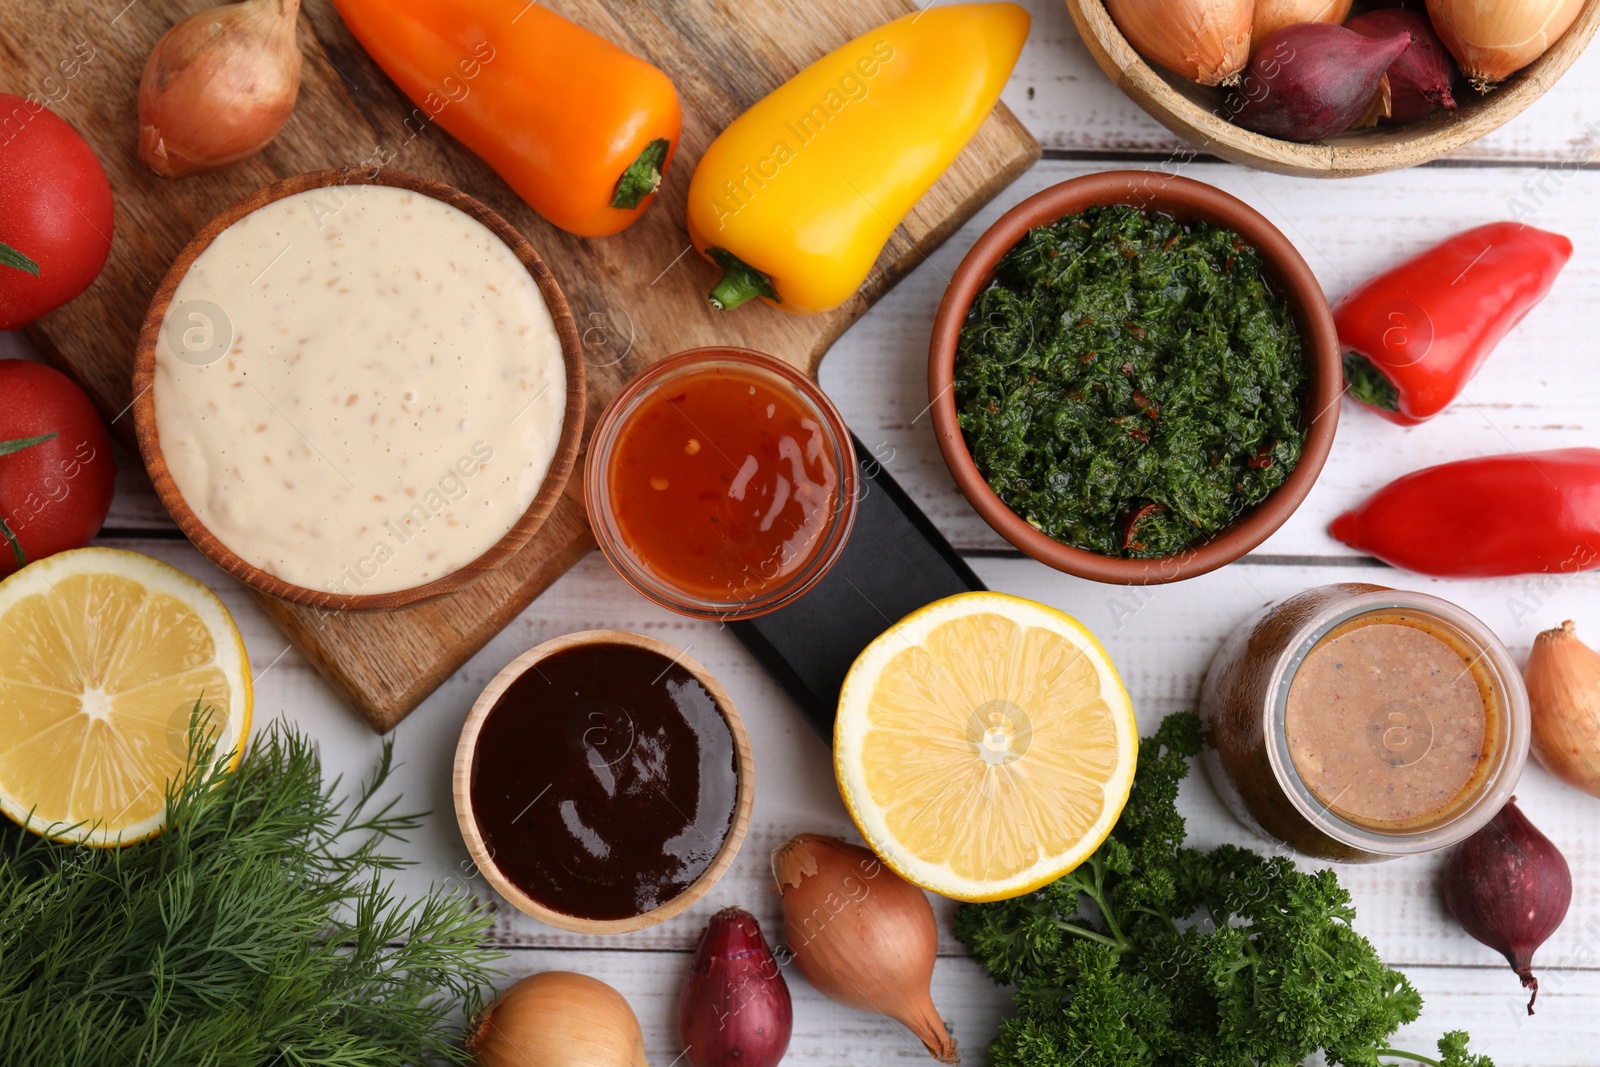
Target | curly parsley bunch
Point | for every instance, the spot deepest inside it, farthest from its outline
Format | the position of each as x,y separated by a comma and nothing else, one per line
1189,959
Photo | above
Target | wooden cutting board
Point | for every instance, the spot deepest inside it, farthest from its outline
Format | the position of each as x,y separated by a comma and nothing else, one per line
637,296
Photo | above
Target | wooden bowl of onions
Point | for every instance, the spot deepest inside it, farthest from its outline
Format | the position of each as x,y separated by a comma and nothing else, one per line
1206,69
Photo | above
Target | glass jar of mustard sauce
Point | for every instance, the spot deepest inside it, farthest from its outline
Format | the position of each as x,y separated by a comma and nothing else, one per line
1358,723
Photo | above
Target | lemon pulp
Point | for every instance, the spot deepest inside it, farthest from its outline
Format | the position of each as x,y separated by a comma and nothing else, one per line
106,654
984,745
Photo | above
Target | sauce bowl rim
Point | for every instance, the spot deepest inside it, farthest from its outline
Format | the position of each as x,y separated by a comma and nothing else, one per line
1285,268
478,848
607,430
212,547
1509,760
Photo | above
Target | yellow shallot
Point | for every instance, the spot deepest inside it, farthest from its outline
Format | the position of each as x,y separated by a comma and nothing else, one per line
1563,676
218,86
557,1019
1207,41
861,934
1493,39
1273,15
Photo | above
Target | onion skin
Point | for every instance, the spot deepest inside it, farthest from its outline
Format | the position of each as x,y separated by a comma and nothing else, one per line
1379,108
1421,79
1493,39
861,934
1509,887
1312,80
1563,676
1273,15
735,1009
218,87
557,1019
1206,41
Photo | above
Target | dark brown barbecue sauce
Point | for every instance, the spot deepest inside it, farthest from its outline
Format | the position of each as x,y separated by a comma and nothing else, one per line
604,781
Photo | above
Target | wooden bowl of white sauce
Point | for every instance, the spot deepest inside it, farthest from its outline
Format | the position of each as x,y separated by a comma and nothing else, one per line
358,389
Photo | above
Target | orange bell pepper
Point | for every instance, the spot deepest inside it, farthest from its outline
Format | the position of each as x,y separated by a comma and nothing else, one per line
582,130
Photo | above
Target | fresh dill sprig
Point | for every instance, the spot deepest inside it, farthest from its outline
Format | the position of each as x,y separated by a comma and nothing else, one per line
1154,954
256,930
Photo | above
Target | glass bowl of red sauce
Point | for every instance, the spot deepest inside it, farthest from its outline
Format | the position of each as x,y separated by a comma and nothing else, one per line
721,483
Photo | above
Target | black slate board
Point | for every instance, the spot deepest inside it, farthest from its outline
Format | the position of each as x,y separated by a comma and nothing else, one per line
895,562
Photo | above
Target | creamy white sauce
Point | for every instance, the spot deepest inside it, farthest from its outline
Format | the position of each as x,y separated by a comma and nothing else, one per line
390,399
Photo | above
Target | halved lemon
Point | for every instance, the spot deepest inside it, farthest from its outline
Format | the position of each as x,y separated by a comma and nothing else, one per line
103,654
984,745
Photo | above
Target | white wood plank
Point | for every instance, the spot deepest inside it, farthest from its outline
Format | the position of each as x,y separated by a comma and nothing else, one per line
1488,1004
1162,639
1070,105
1492,1007
15,346
824,1032
135,505
1539,390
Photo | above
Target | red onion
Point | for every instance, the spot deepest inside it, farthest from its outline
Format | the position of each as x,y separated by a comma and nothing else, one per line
1420,80
735,1009
1312,80
1509,887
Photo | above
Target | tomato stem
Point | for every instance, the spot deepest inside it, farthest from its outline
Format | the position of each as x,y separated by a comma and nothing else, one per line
740,282
16,546
8,447
1368,384
10,257
642,177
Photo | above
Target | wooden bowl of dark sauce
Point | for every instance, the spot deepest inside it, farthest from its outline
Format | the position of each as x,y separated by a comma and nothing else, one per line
603,782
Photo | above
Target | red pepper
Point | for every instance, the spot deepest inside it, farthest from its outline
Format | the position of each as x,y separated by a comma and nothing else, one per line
1523,513
1414,335
1130,536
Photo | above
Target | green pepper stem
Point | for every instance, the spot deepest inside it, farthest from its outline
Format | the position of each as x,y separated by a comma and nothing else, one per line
740,282
642,177
1368,384
10,257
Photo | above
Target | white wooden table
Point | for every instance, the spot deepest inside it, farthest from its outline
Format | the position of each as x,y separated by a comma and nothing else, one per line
1541,390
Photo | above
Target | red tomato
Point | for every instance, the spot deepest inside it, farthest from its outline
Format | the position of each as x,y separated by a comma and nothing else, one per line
55,208
54,495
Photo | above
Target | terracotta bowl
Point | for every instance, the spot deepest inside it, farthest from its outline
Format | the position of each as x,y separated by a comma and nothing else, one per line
1286,272
466,748
1196,113
555,479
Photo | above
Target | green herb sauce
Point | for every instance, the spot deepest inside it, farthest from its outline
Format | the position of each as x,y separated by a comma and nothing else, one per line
1129,384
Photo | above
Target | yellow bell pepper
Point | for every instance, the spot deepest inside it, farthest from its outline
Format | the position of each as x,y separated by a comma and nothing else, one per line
796,199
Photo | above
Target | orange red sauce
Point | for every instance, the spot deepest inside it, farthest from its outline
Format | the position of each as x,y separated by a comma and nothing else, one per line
723,483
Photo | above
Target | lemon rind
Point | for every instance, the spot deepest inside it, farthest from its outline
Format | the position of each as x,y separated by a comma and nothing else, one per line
232,658
850,732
